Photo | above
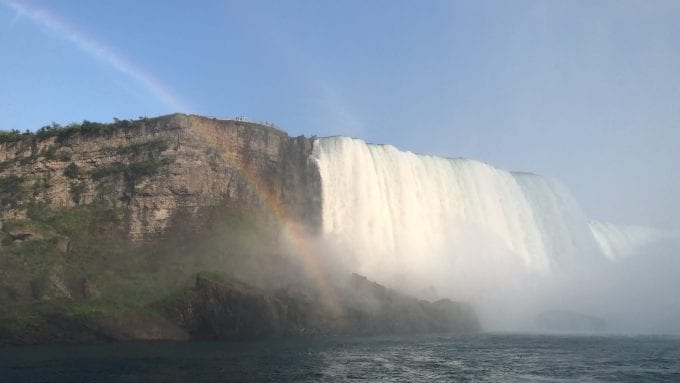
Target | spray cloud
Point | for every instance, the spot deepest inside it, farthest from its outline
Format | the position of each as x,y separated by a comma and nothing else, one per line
513,244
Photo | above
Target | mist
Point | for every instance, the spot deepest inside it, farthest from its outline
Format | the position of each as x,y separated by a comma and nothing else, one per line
513,245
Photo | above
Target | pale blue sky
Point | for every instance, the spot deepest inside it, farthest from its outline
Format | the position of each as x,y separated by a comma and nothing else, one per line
584,91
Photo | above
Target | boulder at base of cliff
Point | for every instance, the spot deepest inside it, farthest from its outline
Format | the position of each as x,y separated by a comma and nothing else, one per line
228,310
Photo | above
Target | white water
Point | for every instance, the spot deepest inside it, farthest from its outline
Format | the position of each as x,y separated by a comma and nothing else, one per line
398,216
617,241
513,244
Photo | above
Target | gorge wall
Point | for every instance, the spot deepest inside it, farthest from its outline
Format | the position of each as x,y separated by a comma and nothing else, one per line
156,168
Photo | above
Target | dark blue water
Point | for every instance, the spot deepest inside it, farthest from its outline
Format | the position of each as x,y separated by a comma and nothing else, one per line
478,358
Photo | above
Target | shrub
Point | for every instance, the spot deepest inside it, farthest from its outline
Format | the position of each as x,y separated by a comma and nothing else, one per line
62,133
11,136
114,169
71,170
132,172
48,131
50,152
77,189
138,170
64,156
153,147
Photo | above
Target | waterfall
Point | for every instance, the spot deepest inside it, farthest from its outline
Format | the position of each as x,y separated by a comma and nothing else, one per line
393,211
562,225
617,241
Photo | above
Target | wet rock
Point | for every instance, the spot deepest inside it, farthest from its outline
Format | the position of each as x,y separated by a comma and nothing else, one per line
234,310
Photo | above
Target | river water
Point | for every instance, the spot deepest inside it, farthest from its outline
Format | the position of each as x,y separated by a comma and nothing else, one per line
469,358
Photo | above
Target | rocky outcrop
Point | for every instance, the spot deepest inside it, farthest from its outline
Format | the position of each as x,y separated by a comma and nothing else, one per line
371,308
155,168
229,310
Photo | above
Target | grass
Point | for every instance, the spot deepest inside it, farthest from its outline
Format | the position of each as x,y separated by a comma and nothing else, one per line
99,252
97,242
20,317
11,190
126,278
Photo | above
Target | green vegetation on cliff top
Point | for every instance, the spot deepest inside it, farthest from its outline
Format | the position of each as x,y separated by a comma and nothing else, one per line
89,128
86,128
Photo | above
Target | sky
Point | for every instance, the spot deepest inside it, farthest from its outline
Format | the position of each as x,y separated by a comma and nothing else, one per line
587,92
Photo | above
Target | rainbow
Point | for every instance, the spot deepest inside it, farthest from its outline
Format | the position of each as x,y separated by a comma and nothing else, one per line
99,51
291,231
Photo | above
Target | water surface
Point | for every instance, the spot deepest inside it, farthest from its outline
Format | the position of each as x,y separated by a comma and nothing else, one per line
474,358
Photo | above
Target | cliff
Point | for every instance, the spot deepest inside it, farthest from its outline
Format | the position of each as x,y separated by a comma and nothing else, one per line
219,309
161,167
106,226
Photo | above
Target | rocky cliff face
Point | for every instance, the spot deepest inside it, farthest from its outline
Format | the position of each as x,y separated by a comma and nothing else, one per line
105,228
157,168
230,310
